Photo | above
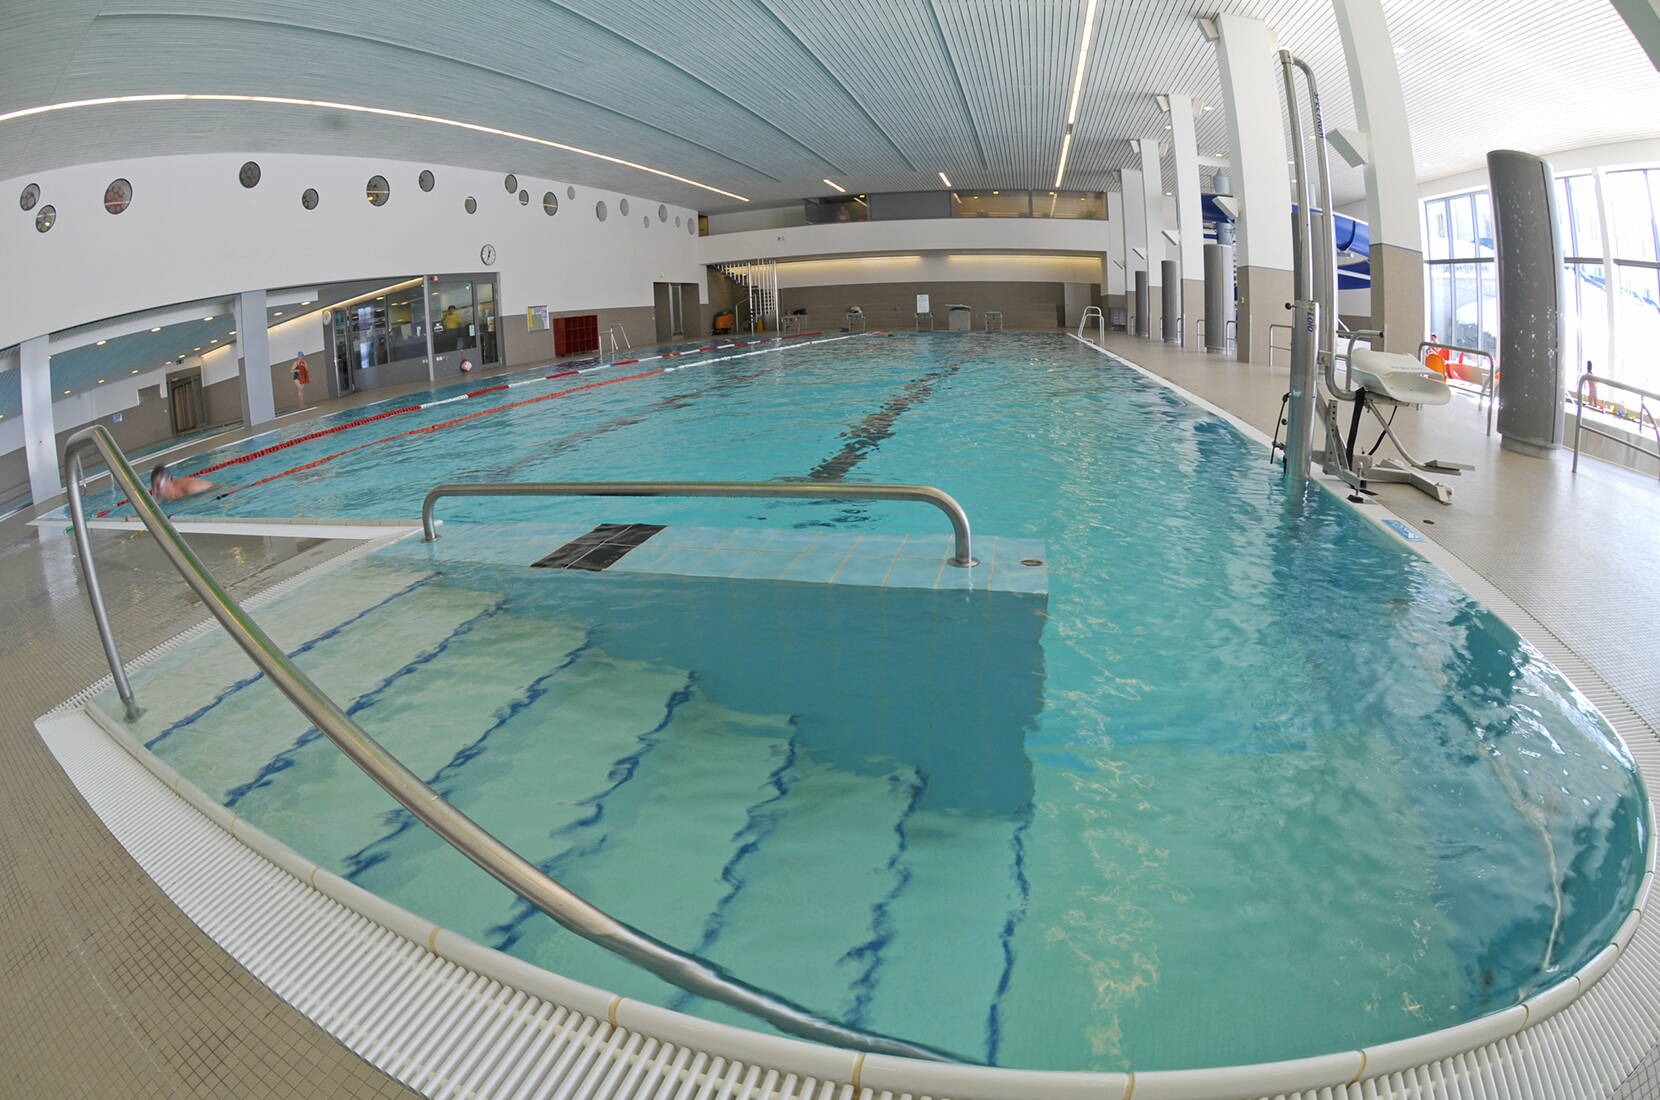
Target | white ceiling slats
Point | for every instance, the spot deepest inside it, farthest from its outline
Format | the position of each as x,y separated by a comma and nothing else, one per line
768,97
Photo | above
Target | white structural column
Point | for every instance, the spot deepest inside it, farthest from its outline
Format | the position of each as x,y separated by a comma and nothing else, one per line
1643,17
40,435
253,354
1392,208
1112,261
1135,243
1190,229
1152,210
1251,86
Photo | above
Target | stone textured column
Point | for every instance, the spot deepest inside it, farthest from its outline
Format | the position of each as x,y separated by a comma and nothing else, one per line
1392,208
1251,88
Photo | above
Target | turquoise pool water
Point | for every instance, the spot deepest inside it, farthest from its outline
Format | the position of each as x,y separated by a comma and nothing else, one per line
1251,782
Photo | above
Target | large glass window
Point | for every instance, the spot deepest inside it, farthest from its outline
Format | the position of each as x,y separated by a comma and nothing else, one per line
453,324
1630,215
991,204
1069,204
406,320
1585,304
837,208
1637,323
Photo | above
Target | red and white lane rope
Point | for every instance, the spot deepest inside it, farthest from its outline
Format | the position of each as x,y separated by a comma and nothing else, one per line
499,387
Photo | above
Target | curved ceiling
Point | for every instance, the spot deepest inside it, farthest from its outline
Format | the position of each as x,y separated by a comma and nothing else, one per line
767,98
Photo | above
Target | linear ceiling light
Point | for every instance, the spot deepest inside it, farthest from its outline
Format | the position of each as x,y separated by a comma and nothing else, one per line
945,181
1077,86
837,186
1066,150
383,112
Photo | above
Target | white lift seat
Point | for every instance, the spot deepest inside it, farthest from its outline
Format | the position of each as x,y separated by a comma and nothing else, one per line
1397,378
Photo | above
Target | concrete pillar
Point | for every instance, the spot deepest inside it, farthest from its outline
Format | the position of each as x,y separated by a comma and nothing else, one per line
1190,229
1392,207
1152,210
40,434
1529,269
1251,89
1643,17
253,355
1135,241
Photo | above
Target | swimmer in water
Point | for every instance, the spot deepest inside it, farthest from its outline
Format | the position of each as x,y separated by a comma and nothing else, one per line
164,486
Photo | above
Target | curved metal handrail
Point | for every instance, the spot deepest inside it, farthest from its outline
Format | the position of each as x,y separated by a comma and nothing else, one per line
767,490
462,833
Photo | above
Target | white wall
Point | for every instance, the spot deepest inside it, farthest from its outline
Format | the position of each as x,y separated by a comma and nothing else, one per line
939,267
1082,237
194,232
1624,154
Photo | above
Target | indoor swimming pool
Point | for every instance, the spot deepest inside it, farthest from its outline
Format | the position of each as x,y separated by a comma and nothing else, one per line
1184,774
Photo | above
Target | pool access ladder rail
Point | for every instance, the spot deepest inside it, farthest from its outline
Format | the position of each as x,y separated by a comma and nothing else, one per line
461,832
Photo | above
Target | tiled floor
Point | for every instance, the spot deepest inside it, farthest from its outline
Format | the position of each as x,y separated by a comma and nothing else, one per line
110,991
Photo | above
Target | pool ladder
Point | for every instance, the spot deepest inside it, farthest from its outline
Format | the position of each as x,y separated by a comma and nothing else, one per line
461,832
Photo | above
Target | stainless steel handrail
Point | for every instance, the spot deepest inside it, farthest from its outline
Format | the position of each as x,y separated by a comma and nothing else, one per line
1093,313
765,490
1488,391
1273,347
1642,411
460,831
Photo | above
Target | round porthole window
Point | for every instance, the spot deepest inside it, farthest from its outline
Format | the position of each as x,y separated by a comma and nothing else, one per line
662,213
570,192
308,198
691,227
599,210
677,221
378,190
511,183
248,174
645,220
550,204
30,196
622,205
426,180
46,218
118,196
471,204
524,198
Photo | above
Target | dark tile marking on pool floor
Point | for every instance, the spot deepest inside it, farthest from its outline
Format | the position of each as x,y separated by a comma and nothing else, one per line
761,820
303,649
442,780
869,953
1005,939
867,435
623,769
285,759
600,548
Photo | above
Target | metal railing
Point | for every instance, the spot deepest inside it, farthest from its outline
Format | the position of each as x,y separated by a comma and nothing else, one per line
1093,313
764,490
1230,330
1643,413
460,831
1273,347
1488,385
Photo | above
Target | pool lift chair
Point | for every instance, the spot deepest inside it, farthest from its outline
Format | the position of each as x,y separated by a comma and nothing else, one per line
1376,381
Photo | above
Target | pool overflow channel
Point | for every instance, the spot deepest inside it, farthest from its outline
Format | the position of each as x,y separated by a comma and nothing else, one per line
465,835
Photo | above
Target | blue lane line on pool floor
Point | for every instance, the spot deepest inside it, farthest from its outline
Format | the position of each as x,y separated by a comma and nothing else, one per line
881,912
285,759
402,820
1005,939
304,648
761,821
622,770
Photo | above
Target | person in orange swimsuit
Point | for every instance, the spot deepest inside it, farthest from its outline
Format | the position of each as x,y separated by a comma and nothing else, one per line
302,376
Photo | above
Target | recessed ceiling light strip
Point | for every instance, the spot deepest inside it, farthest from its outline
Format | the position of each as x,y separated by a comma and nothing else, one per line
1077,87
382,112
837,186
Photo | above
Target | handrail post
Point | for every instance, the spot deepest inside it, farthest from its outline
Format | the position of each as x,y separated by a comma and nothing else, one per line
1579,419
89,573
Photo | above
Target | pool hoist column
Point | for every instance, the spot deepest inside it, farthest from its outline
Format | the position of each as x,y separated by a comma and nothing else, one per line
1313,323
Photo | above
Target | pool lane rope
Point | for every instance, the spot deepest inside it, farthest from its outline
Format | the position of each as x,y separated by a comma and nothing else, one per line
265,451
